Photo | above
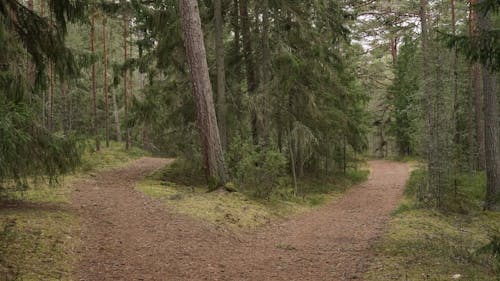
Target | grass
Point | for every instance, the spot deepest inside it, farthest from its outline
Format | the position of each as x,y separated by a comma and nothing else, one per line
38,232
427,244
37,244
240,210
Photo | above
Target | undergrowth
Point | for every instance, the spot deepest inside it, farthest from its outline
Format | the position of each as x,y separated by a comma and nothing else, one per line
186,192
457,242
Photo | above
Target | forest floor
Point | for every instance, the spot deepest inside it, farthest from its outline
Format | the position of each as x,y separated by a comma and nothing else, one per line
127,235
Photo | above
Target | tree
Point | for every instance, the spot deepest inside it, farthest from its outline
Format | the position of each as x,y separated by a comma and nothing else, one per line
221,72
105,87
94,101
491,140
202,92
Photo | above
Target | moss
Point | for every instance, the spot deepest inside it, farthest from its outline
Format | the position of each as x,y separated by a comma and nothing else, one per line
241,210
36,244
426,244
38,232
110,157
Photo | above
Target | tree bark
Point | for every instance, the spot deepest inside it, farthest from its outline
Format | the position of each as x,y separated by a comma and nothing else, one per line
125,94
249,63
51,97
476,81
202,93
105,89
490,128
221,72
431,122
117,118
94,102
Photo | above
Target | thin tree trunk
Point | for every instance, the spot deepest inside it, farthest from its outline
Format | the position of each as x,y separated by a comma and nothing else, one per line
105,89
125,94
470,126
202,92
51,97
476,78
64,110
394,49
490,128
221,72
249,63
434,176
94,102
266,69
292,161
117,118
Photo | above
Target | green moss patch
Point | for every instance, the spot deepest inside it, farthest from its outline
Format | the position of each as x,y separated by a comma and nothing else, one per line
241,210
37,244
426,244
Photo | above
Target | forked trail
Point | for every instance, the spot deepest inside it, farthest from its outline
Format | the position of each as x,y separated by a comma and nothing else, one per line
128,236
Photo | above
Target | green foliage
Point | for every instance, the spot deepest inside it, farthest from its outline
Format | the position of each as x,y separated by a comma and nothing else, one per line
259,170
404,98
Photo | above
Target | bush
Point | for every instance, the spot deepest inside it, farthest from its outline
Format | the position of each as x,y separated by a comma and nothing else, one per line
259,170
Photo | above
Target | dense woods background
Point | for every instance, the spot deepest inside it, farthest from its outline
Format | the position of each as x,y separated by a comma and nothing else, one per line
257,93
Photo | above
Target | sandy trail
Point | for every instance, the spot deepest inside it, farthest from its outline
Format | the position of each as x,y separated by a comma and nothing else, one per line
128,236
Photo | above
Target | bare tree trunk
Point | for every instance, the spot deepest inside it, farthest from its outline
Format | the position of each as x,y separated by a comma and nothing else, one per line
94,102
202,92
470,126
476,78
51,97
249,62
125,95
105,89
266,71
394,49
64,110
117,118
432,137
490,128
221,72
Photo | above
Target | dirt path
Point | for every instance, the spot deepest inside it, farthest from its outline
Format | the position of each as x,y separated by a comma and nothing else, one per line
127,236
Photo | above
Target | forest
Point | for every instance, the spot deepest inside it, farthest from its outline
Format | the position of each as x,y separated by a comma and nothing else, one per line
249,140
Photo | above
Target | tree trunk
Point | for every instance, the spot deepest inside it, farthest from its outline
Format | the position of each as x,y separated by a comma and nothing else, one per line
249,62
490,128
105,89
94,102
266,71
394,49
125,95
476,78
51,97
117,118
432,138
202,92
64,110
221,74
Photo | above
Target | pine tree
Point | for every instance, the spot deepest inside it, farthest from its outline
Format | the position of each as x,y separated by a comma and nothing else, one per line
202,92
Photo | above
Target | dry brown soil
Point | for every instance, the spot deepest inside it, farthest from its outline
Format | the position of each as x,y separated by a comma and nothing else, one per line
128,236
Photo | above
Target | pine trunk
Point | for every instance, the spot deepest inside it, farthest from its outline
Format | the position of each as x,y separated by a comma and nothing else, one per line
221,74
51,97
202,92
476,83
105,88
117,118
249,62
94,102
125,94
490,127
